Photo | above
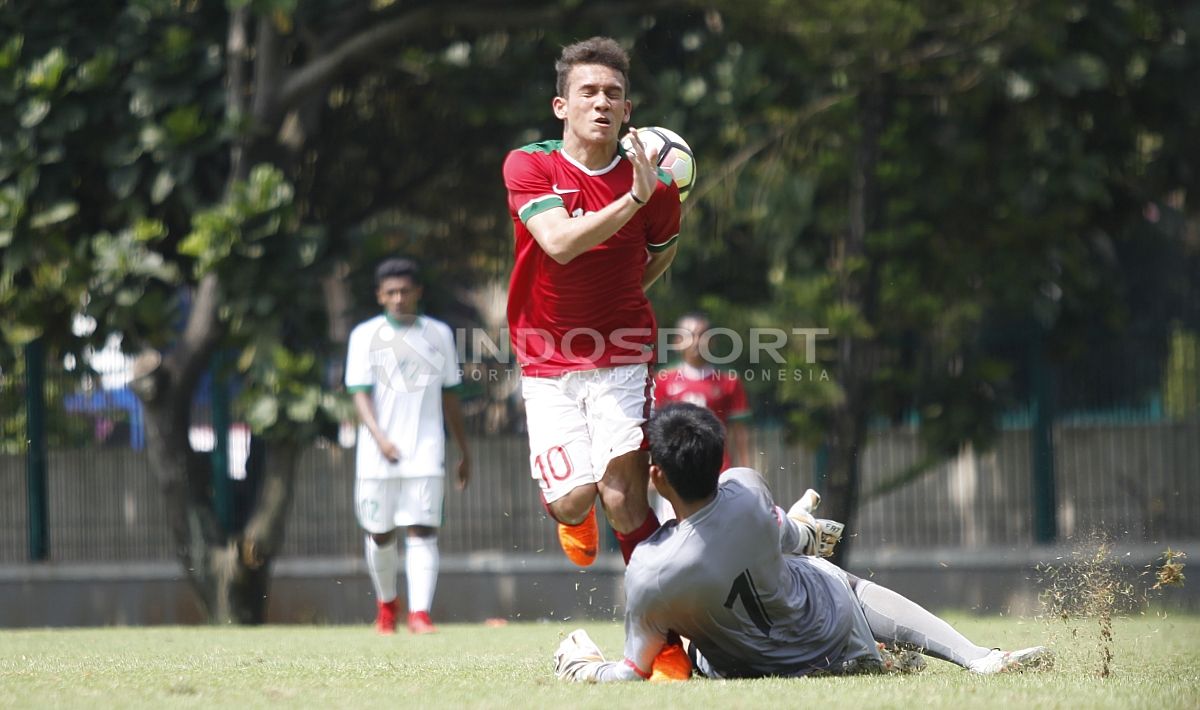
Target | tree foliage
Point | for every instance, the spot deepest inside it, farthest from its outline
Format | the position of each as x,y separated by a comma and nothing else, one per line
944,185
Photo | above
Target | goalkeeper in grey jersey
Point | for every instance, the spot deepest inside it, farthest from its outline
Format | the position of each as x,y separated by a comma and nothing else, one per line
737,577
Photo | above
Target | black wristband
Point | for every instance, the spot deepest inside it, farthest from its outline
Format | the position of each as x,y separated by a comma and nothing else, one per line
635,198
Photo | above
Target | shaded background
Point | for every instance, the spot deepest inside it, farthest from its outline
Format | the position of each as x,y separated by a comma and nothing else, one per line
986,203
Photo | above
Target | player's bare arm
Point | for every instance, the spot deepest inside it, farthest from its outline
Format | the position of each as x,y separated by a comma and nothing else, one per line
452,411
366,414
657,265
564,237
739,434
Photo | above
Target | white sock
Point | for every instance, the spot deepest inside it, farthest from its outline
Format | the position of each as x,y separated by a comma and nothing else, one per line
421,567
383,562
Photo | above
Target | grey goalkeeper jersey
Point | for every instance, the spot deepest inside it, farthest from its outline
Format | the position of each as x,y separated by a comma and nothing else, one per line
721,578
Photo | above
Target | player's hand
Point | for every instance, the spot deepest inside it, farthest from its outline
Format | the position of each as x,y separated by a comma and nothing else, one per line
829,534
577,659
822,535
390,451
464,472
645,170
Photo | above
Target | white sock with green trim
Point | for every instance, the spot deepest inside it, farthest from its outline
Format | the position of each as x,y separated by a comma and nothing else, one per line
383,562
421,561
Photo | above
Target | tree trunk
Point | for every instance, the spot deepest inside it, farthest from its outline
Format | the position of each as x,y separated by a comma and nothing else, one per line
238,590
229,571
856,355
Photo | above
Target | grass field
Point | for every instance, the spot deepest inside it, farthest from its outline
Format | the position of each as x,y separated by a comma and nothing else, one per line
1157,665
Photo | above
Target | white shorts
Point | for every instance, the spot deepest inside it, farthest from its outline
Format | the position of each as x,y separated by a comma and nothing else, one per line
579,421
384,504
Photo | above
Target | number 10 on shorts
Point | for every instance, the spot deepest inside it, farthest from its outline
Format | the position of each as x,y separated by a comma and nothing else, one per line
553,464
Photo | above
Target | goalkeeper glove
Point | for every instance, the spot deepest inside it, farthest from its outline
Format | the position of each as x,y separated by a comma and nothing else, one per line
577,659
818,536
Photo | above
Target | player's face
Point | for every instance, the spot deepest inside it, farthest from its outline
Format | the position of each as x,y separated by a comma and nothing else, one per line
399,297
693,333
595,106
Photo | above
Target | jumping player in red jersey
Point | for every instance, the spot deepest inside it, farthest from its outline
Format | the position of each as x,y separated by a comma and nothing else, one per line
594,226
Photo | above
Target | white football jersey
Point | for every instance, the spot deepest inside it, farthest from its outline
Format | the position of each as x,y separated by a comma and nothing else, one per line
405,367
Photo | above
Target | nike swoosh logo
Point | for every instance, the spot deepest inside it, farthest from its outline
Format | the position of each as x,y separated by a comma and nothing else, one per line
562,192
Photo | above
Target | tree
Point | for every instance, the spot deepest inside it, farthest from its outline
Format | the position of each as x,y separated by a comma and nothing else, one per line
940,184
927,180
169,175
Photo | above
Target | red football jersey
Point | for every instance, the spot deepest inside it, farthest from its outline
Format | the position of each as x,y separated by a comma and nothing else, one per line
722,392
591,312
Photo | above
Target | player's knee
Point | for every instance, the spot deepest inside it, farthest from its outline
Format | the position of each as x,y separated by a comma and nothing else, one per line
573,508
422,531
620,493
382,539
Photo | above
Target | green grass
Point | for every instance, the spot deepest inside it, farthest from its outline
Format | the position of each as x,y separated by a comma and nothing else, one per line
1156,666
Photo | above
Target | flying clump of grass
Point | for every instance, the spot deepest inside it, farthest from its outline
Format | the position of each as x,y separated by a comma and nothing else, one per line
1089,585
1170,570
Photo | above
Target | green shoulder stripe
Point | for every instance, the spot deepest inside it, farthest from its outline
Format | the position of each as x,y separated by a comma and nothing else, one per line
542,147
359,388
539,205
655,248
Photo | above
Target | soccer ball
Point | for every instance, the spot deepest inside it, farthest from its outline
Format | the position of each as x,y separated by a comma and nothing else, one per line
674,155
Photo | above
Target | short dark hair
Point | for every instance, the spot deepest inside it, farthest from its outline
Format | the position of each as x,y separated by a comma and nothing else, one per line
597,50
396,268
688,443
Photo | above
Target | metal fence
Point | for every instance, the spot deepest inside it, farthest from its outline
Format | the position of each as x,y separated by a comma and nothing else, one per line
1136,482
1126,463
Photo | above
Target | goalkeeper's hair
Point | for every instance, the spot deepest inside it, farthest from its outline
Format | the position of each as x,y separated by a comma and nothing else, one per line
688,443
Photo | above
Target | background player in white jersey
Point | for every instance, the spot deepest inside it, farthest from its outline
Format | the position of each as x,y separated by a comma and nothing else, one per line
593,226
402,370
735,575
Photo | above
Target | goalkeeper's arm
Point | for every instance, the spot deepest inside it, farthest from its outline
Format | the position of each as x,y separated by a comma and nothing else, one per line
802,534
578,659
797,533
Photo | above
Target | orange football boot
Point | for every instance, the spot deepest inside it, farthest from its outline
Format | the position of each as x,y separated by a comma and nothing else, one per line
580,542
671,664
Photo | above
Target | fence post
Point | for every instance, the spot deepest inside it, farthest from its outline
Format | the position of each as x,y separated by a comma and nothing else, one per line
820,466
35,455
1045,501
221,485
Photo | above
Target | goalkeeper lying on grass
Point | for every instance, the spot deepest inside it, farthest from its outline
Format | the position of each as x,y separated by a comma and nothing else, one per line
740,581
